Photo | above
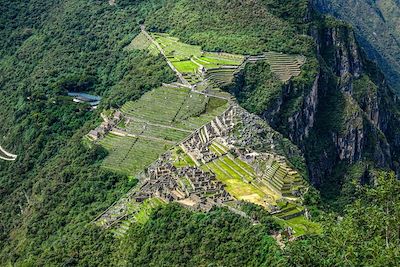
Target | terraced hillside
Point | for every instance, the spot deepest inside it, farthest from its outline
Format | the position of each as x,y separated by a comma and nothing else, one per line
285,66
141,42
218,69
153,124
179,139
259,178
138,213
188,60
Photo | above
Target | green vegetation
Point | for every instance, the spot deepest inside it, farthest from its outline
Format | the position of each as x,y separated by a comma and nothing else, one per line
178,107
129,155
181,159
52,192
235,26
141,42
140,214
217,238
376,24
239,183
186,66
190,60
223,238
302,226
155,128
255,93
176,50
285,66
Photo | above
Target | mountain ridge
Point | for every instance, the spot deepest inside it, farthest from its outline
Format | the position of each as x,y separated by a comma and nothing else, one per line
339,111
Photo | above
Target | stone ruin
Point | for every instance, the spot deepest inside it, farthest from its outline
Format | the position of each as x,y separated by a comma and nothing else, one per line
200,190
189,186
197,145
106,126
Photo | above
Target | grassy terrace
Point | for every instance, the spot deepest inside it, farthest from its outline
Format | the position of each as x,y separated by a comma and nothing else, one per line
285,66
174,49
176,107
141,42
189,59
217,60
130,155
301,226
185,66
140,214
158,120
236,186
239,178
181,159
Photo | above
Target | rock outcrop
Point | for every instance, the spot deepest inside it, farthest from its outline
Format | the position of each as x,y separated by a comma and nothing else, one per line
346,115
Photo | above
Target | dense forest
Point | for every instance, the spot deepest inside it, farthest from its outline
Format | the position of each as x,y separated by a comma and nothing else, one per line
52,192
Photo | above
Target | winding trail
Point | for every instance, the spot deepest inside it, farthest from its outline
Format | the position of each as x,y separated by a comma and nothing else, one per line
4,155
183,80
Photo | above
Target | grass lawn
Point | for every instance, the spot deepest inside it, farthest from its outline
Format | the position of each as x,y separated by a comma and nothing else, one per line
130,155
185,66
221,61
141,42
234,165
178,50
178,112
236,187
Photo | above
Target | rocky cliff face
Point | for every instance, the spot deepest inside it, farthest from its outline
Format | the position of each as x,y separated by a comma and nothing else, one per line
363,102
376,24
349,113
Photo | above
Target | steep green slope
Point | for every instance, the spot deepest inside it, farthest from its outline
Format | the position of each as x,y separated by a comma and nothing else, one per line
377,24
52,192
241,27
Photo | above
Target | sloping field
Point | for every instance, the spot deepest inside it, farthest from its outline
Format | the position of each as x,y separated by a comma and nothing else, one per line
141,42
158,120
239,178
130,155
285,66
174,107
175,50
190,60
216,60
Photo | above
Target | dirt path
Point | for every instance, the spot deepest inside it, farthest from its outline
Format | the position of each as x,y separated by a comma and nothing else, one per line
183,80
4,155
159,125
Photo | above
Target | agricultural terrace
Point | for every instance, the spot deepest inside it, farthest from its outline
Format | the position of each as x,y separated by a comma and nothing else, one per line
196,65
138,213
285,66
188,59
156,122
240,179
141,42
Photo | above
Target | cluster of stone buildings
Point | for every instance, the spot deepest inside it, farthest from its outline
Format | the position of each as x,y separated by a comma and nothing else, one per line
189,186
197,145
106,126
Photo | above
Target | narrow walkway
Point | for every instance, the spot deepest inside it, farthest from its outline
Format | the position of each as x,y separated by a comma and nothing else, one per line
6,155
183,80
159,125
